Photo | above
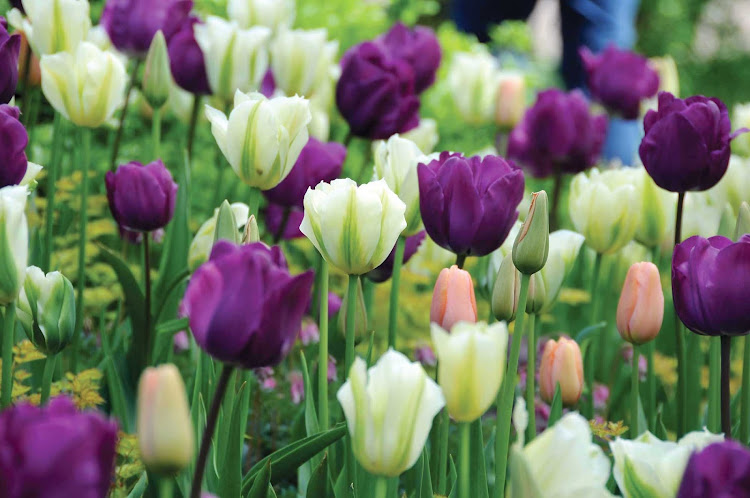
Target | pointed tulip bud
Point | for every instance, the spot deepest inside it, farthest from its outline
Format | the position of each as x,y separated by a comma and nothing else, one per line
506,291
165,432
532,243
453,298
641,308
561,363
251,234
743,221
226,225
157,77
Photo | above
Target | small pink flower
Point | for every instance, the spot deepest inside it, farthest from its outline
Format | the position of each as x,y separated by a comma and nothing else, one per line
309,332
266,378
425,355
332,375
181,341
296,386
601,396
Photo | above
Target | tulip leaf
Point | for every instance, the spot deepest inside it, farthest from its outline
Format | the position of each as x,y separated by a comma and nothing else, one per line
368,357
311,427
140,487
284,462
478,468
230,472
555,411
589,332
317,486
453,479
424,483
660,431
261,483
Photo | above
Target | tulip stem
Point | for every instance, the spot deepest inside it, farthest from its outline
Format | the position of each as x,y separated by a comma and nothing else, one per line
156,132
460,260
589,359
191,127
323,349
395,284
166,487
213,415
52,171
282,226
49,372
84,218
530,378
556,193
253,201
381,487
714,385
679,339
443,435
351,310
9,339
726,420
464,460
651,387
118,134
635,383
505,397
745,398
147,298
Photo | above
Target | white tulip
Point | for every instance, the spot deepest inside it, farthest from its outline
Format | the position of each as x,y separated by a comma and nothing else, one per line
425,135
53,26
86,87
656,212
14,242
47,310
389,411
262,138
301,61
236,59
473,79
200,247
741,119
353,227
274,14
472,363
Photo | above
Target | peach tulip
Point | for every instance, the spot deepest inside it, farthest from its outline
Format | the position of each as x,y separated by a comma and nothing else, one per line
641,307
561,363
453,298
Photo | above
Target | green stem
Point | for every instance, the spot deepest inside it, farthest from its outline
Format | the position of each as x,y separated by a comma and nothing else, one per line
147,297
166,487
49,372
679,337
726,400
460,260
745,399
442,487
464,460
123,114
9,339
634,384
505,398
351,310
714,385
84,218
191,127
395,283
530,379
253,201
381,487
651,387
52,172
156,132
323,349
590,351
315,306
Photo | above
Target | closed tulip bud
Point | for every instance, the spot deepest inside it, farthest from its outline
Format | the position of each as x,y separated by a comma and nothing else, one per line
200,247
453,298
511,100
226,225
360,312
641,308
561,364
53,26
302,61
47,310
261,138
506,291
531,248
274,14
236,59
743,221
425,135
473,82
389,445
353,227
251,233
165,431
472,361
157,77
14,249
86,87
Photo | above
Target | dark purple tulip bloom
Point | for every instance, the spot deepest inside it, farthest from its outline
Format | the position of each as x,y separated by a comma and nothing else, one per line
375,93
558,134
141,197
418,47
13,140
56,451
686,146
711,285
619,79
186,57
244,307
275,217
720,470
385,270
468,205
10,47
132,24
318,162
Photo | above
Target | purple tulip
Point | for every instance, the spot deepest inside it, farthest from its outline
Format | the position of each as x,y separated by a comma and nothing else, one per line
275,217
385,270
268,84
375,93
10,47
141,197
686,146
418,47
13,140
318,162
711,285
720,470
558,134
132,24
244,307
56,451
469,205
619,79
186,57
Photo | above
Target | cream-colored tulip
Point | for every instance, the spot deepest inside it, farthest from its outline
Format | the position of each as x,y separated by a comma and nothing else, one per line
53,26
200,247
274,14
302,61
473,79
425,135
14,242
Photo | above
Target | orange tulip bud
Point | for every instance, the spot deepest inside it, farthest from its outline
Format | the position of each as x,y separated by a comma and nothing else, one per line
35,73
641,307
453,299
561,363
511,100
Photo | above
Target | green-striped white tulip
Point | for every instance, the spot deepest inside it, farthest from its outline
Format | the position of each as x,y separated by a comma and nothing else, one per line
656,214
262,138
389,411
14,242
353,227
472,363
200,247
86,87
473,78
425,135
53,26
47,310
303,61
236,59
274,14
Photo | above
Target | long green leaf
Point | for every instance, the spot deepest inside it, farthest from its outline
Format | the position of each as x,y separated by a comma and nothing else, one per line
140,487
317,486
262,481
555,411
478,468
311,427
424,486
230,480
